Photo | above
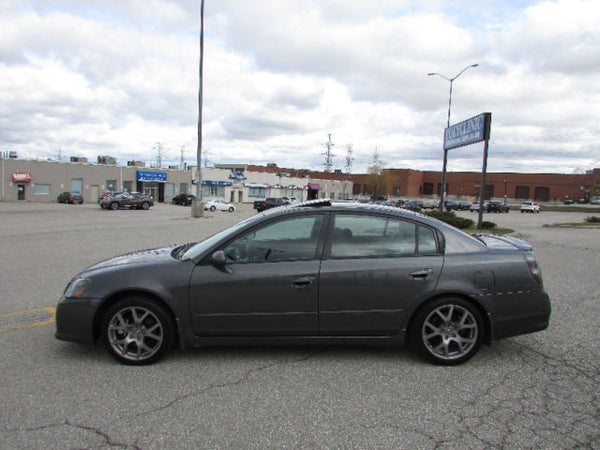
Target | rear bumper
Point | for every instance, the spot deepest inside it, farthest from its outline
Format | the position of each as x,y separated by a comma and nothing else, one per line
527,313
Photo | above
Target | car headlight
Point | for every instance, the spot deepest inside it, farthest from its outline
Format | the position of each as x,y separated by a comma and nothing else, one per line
77,287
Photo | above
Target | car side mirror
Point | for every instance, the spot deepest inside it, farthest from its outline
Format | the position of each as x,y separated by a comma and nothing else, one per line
218,259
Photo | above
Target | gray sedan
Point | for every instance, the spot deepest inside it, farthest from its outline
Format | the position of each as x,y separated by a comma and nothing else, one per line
313,273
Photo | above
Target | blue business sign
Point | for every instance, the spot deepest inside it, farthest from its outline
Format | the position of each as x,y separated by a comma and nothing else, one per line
475,129
155,177
216,183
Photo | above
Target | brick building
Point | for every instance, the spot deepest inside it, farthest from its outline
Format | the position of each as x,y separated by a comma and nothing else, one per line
462,185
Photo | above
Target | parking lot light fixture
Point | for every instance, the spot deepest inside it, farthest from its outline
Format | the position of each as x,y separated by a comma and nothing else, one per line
451,80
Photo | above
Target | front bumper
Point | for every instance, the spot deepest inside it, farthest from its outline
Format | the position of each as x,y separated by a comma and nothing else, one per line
75,319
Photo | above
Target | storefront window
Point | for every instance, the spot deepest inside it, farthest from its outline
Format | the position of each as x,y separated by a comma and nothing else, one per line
260,192
210,190
41,189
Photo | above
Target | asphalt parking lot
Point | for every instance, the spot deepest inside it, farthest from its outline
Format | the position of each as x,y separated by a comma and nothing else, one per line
534,391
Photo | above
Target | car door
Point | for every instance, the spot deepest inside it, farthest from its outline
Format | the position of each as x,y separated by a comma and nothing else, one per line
268,285
375,269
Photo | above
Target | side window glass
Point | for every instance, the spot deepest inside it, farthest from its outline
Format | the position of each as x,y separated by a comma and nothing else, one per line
427,242
289,239
362,236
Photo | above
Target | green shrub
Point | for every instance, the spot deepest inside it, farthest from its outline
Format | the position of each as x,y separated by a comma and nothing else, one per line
450,218
485,225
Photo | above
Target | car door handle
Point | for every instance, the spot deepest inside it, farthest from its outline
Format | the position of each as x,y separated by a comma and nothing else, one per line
420,274
303,282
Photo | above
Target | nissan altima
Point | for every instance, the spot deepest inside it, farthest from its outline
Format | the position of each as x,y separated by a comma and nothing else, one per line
313,273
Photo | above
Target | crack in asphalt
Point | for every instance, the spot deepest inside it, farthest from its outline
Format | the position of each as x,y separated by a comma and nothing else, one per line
107,439
504,414
243,378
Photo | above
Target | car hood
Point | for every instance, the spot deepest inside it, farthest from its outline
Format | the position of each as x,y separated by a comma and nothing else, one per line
144,257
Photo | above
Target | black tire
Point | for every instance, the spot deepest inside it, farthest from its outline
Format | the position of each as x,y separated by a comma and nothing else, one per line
114,206
447,331
145,205
213,208
133,321
230,209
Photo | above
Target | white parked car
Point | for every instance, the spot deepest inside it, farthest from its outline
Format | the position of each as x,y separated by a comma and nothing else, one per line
221,205
530,207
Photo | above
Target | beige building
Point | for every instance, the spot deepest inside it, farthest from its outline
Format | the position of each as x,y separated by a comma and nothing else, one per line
43,181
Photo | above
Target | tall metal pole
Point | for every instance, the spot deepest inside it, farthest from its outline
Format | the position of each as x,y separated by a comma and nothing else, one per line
198,204
451,80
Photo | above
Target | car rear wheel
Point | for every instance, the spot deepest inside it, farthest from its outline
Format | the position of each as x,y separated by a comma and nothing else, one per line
230,209
114,206
213,208
137,331
145,205
447,331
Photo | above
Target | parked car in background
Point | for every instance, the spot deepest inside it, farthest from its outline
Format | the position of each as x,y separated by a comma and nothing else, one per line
184,199
70,197
450,205
313,273
475,206
464,206
107,194
568,200
411,205
221,205
430,204
271,202
497,207
595,200
131,200
530,207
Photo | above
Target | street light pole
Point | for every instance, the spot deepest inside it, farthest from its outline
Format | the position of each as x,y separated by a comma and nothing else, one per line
197,204
451,80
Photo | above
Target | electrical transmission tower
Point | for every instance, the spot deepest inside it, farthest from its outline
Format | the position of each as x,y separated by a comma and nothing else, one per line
328,155
182,158
158,147
349,158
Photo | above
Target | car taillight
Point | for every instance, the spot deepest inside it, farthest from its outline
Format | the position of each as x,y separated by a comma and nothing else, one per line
533,267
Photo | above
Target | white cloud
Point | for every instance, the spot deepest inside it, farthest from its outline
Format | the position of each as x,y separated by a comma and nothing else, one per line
117,77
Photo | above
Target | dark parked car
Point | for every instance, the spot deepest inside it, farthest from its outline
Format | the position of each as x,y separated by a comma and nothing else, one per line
271,202
313,273
450,205
184,199
411,205
133,200
497,207
70,197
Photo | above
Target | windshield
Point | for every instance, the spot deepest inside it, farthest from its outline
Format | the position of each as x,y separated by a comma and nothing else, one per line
203,246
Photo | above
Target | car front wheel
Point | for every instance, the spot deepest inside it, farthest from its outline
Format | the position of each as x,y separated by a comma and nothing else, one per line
114,206
145,205
212,208
447,331
137,331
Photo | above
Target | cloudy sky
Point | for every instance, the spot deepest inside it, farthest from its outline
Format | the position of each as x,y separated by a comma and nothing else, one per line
120,78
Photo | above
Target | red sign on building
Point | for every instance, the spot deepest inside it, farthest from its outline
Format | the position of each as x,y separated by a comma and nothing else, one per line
21,176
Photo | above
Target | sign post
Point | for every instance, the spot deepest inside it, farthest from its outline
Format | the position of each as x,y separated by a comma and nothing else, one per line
470,131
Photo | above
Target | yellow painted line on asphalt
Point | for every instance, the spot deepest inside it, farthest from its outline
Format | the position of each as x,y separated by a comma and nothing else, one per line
28,318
